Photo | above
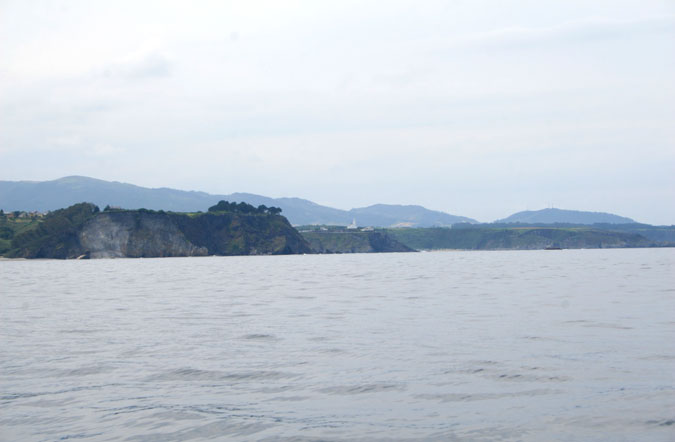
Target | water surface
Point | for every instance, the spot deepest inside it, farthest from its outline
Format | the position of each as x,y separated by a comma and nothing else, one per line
526,345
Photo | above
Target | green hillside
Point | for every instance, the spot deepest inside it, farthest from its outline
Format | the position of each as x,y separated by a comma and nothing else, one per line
340,240
517,238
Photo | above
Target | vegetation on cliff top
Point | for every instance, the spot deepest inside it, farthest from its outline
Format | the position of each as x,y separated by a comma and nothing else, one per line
228,207
53,235
12,224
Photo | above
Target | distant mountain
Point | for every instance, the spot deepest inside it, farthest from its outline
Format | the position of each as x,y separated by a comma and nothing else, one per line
64,192
552,216
405,216
298,211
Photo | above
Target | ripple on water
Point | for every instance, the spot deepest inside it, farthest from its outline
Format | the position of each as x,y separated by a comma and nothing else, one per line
467,397
498,373
260,337
79,436
607,325
289,398
332,350
219,429
192,374
662,423
529,378
82,331
24,395
171,415
360,389
658,358
82,371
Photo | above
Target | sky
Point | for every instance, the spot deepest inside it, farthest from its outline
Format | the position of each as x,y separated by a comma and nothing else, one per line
476,108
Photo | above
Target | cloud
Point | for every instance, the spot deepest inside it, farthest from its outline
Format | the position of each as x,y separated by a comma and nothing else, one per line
474,107
104,150
149,65
66,141
581,31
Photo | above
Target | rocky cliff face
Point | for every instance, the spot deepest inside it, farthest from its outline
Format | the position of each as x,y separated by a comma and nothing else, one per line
236,234
134,235
81,231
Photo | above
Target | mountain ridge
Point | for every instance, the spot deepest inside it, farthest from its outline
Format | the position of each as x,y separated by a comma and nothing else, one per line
64,192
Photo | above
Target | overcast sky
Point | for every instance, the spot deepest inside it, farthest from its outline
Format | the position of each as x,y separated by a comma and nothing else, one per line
476,108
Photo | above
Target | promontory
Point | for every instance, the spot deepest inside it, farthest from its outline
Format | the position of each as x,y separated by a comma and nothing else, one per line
84,231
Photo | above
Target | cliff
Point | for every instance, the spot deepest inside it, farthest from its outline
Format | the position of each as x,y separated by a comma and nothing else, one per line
133,235
517,238
82,231
346,241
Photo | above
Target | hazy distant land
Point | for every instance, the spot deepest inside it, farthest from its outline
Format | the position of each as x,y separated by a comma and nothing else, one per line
52,195
551,215
43,196
141,222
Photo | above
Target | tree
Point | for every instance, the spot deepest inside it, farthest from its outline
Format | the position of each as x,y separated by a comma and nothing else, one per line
242,207
245,208
222,206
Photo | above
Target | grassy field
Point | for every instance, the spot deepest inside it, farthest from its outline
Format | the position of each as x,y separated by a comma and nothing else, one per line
9,227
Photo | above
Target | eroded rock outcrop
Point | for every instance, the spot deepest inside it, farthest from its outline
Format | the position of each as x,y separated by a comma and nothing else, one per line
135,235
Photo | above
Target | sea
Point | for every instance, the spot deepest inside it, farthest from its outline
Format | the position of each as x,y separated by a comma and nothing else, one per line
559,345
